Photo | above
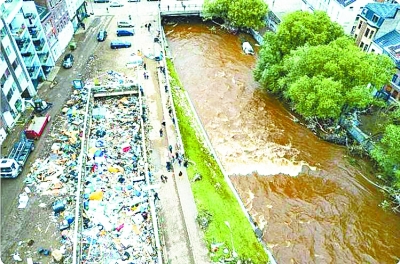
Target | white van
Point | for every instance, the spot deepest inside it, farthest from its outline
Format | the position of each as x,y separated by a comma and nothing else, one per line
124,23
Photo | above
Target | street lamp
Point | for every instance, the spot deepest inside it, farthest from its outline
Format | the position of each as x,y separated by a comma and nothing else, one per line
234,254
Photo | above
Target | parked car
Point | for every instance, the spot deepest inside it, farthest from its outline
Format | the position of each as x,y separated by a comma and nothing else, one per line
124,23
68,61
117,44
101,36
125,32
133,0
101,1
115,4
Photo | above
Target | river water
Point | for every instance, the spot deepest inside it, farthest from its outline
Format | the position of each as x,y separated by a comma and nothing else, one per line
311,202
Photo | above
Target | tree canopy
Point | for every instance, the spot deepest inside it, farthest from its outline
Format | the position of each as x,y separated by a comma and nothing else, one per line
238,13
319,70
341,75
296,30
386,153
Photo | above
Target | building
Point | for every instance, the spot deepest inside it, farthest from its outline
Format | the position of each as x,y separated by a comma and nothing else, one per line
77,12
389,44
344,12
278,9
24,58
56,23
375,21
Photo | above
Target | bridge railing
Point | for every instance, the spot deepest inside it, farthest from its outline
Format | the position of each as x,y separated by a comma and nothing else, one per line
180,7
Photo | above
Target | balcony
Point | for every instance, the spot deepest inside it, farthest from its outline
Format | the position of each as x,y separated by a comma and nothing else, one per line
33,71
39,45
36,34
44,58
29,59
24,44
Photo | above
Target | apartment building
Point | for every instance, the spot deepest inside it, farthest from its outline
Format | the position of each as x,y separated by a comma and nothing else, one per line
375,21
56,23
389,44
77,12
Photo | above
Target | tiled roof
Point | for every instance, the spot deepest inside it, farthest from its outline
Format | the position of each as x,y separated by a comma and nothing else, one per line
389,39
384,10
346,2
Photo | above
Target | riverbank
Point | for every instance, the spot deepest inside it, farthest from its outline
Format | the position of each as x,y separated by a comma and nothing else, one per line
224,229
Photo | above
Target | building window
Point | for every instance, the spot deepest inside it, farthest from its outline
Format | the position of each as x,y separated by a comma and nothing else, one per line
8,51
372,50
355,36
362,45
375,18
366,32
11,92
359,25
394,79
365,48
371,34
15,65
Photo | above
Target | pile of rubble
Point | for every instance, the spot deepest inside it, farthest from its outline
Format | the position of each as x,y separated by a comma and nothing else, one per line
117,219
115,200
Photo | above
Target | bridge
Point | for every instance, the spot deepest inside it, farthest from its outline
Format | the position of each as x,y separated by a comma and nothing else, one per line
187,8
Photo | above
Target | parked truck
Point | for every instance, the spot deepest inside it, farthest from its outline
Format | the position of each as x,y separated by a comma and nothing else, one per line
37,126
12,166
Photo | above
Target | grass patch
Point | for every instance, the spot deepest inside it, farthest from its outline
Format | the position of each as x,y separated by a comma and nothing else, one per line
215,202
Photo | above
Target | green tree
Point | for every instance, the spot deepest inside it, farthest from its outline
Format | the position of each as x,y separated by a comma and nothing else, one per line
344,72
238,13
387,152
296,30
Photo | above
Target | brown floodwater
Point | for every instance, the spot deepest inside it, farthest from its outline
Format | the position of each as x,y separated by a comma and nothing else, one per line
312,203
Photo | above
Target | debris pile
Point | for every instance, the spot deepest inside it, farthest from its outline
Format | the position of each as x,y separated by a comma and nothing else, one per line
117,221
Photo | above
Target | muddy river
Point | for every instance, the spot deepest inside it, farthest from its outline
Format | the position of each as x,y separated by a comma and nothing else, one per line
309,198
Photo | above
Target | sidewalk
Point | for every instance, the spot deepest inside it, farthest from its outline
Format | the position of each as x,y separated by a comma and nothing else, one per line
178,207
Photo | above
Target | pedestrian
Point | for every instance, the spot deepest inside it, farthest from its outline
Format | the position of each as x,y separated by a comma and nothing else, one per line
161,132
148,27
144,66
166,88
180,161
107,9
170,148
164,178
185,163
173,120
163,123
177,155
144,75
170,111
141,90
156,196
180,173
168,7
130,18
169,165
145,25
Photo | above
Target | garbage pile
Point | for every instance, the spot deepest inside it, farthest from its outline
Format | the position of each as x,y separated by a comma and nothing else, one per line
55,175
117,220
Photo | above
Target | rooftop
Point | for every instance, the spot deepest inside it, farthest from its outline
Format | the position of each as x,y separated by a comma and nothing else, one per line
389,39
384,10
346,2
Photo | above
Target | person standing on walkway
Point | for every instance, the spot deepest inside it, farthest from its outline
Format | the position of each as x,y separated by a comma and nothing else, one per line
170,148
163,123
107,9
144,66
161,132
180,173
156,196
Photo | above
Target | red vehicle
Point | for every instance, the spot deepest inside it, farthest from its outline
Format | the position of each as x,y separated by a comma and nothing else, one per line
36,126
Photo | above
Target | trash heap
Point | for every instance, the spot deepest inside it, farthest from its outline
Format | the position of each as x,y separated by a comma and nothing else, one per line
55,175
117,222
